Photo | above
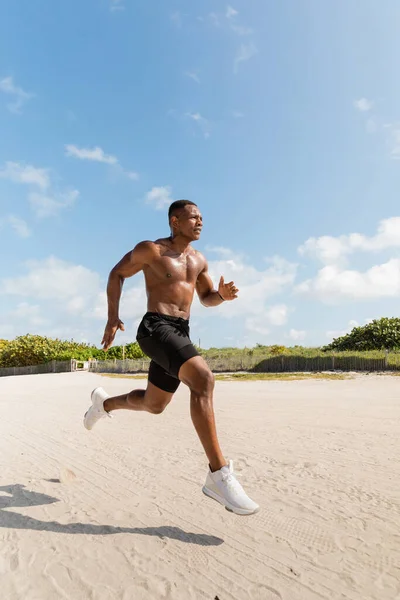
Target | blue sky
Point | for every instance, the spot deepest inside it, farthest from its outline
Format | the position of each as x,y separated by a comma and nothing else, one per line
280,119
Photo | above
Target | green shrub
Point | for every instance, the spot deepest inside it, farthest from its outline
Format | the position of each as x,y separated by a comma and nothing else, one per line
378,335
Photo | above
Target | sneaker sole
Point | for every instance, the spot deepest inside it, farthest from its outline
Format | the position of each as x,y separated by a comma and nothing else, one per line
229,507
84,417
84,422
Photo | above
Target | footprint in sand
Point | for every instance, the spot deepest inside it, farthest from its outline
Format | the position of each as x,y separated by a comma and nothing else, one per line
67,476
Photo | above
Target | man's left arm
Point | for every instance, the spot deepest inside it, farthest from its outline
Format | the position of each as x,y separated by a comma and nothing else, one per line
208,295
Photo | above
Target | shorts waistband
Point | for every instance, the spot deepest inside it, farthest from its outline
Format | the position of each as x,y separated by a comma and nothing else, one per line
167,317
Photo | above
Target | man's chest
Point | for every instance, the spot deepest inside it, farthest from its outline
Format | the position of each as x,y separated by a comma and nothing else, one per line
177,268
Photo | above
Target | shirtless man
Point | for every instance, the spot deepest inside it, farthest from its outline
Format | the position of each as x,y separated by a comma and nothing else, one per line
173,270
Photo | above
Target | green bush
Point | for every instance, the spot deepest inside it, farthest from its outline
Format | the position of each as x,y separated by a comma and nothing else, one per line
378,335
35,349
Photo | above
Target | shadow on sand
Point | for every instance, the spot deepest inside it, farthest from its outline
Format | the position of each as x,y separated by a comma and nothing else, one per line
19,496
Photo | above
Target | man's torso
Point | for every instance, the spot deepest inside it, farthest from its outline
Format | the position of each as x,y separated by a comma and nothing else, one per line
171,277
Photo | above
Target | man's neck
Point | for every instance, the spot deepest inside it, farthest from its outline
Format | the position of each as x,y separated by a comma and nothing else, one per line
180,244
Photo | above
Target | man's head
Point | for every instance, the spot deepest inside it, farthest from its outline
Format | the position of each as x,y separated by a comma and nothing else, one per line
185,219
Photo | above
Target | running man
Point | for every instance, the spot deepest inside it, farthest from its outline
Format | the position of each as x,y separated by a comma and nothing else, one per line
173,270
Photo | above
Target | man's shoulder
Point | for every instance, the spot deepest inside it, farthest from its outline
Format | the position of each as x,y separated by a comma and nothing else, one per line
152,244
162,242
200,258
146,247
154,247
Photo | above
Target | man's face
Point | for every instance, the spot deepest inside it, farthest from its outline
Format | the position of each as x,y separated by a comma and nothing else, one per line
188,223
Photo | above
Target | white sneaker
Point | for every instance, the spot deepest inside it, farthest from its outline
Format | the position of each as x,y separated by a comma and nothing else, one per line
223,487
96,411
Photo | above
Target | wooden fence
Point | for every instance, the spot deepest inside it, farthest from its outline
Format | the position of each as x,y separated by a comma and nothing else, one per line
53,366
271,364
230,364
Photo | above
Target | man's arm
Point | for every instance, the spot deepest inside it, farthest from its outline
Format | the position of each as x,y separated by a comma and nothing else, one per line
208,295
129,265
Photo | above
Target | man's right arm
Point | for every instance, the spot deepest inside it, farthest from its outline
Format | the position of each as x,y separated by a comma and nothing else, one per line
129,265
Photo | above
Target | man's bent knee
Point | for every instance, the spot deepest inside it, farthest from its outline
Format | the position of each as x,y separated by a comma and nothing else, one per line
156,400
204,385
156,410
196,374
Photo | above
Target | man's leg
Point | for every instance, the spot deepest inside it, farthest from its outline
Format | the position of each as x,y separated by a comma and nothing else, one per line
160,389
221,483
153,400
196,374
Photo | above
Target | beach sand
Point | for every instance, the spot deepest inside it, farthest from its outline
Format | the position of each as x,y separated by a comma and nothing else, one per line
118,512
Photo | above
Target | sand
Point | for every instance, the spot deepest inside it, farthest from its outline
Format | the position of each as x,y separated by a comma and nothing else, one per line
118,513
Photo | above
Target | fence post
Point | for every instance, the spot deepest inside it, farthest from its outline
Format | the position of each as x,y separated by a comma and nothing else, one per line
386,359
333,361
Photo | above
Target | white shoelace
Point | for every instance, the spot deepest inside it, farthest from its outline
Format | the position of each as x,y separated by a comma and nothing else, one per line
232,483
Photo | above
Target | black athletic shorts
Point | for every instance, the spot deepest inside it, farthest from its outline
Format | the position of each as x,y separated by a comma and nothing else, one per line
166,341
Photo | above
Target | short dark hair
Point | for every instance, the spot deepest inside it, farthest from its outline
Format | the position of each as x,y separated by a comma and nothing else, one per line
177,206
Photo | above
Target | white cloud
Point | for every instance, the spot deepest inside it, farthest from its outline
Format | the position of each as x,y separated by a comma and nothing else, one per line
45,205
332,250
257,325
277,315
274,315
76,305
72,297
53,279
371,126
96,154
116,5
217,20
7,86
256,287
332,284
25,174
237,114
335,333
244,53
363,104
29,313
19,225
214,19
133,303
241,30
193,75
231,12
202,123
297,335
394,140
159,197
176,18
225,252
231,15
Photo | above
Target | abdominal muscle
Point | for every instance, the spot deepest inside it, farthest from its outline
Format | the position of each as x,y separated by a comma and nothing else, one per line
174,299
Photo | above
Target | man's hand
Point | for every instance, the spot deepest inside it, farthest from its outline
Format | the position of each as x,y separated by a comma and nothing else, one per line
227,291
110,331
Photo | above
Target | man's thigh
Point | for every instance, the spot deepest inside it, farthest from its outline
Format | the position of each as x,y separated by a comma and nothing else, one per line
196,374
